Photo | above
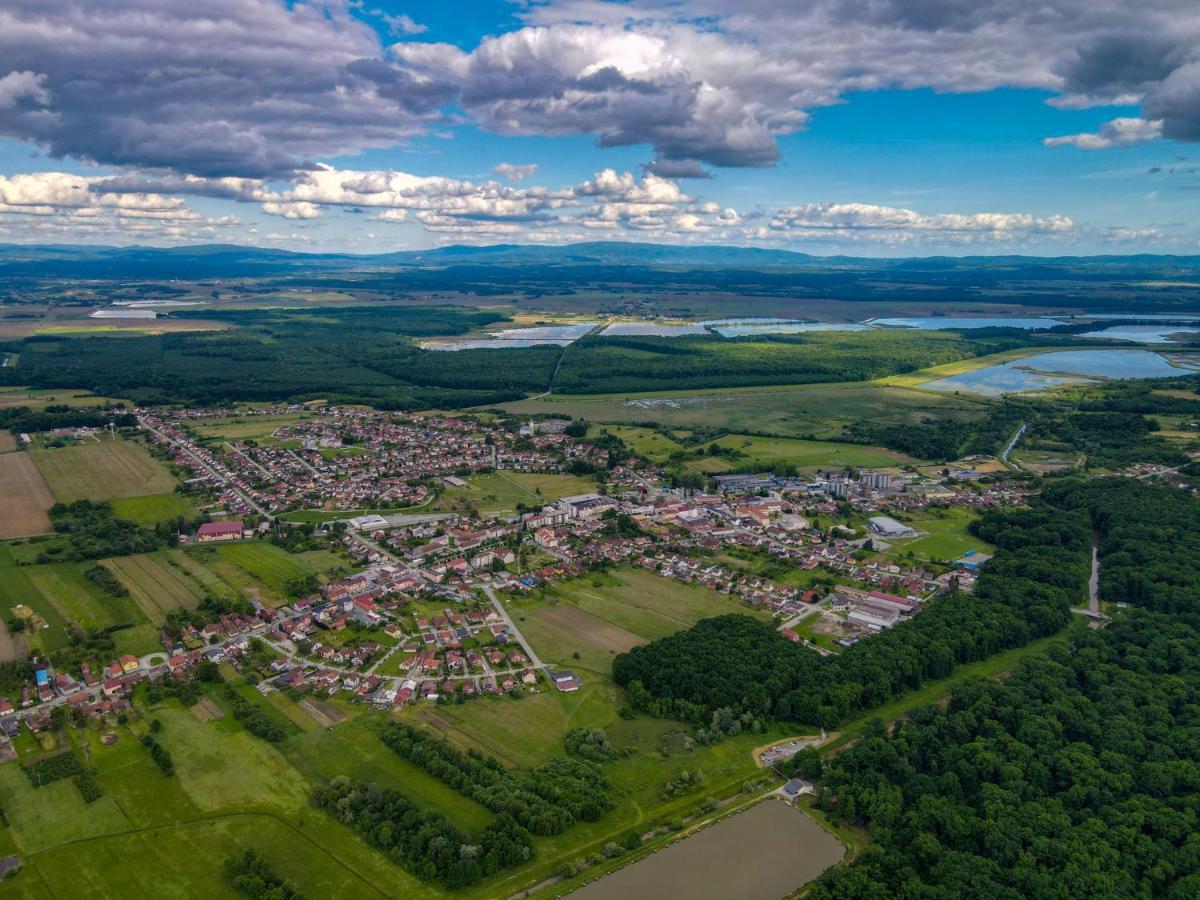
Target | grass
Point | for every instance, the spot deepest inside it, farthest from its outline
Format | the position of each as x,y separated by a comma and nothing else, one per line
586,622
498,493
155,508
804,411
259,567
101,470
243,427
654,445
947,536
38,399
767,452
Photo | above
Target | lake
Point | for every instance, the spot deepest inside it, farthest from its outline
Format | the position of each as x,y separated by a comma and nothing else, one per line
1047,370
1148,334
936,323
764,853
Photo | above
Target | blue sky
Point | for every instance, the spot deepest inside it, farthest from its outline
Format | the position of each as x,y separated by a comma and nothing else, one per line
925,128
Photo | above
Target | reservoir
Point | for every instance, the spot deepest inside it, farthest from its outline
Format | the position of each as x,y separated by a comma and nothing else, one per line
1047,370
762,325
764,853
935,323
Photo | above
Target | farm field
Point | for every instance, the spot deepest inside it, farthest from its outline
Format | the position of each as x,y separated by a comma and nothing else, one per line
816,410
600,616
39,398
242,427
8,442
258,567
101,470
155,585
499,492
646,441
24,497
152,509
60,595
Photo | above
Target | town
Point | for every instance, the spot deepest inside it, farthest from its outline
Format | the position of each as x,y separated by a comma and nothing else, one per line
424,615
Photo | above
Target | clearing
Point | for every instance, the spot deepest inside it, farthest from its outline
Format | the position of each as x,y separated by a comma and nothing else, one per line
24,497
153,509
101,470
499,492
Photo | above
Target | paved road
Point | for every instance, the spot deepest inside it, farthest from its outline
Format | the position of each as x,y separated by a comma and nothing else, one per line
1094,583
512,626
209,469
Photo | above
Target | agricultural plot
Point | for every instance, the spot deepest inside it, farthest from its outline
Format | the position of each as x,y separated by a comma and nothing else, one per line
818,410
238,428
499,492
649,443
39,399
253,563
155,585
585,623
8,443
153,509
24,497
101,470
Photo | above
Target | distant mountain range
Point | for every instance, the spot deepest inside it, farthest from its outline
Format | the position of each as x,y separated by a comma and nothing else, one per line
235,261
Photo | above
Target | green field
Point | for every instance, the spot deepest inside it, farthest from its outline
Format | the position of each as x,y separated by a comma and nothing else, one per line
767,452
39,399
155,584
153,509
652,444
257,428
601,615
817,410
498,493
946,534
262,568
101,470
60,594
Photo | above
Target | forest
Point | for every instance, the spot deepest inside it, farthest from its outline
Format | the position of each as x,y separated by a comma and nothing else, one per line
1078,775
736,663
424,842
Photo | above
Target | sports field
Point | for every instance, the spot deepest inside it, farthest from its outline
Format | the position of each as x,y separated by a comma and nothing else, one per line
101,470
499,492
24,497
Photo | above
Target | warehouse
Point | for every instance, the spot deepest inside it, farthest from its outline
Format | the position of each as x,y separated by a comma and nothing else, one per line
886,526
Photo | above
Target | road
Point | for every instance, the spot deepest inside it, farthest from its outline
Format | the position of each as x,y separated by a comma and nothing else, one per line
1094,584
512,626
207,468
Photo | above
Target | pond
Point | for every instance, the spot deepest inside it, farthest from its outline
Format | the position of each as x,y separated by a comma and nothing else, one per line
935,323
762,325
1038,373
512,338
1149,334
764,853
651,329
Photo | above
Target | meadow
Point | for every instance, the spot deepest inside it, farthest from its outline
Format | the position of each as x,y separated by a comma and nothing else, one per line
24,497
498,493
259,568
820,411
768,452
945,534
586,622
152,509
101,470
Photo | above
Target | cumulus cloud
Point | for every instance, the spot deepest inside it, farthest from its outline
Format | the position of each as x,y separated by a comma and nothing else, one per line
224,87
514,173
862,221
1116,133
402,24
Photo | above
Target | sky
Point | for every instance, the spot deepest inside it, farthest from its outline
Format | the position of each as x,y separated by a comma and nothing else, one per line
866,127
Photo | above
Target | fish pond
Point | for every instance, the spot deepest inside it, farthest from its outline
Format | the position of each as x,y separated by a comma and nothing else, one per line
1049,370
765,853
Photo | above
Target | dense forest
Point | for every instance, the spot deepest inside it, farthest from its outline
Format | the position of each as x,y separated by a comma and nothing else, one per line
739,664
1077,776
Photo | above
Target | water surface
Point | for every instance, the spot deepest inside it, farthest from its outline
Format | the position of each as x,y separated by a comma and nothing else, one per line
937,323
1047,370
752,325
652,329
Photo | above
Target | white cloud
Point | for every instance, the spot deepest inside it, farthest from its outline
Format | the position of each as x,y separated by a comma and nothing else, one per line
23,85
1115,133
513,172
